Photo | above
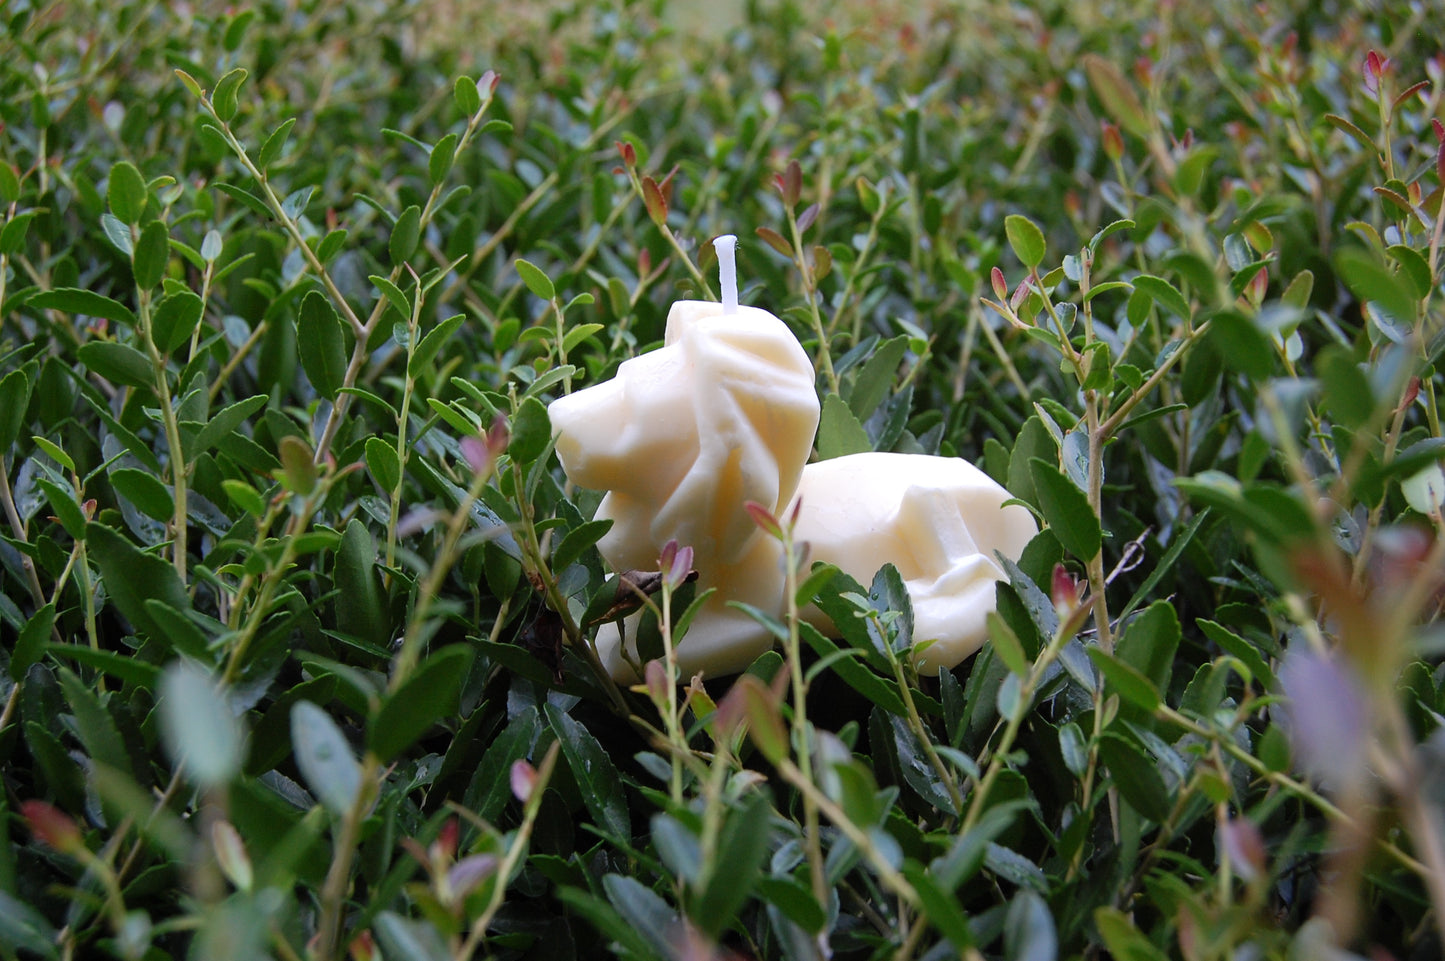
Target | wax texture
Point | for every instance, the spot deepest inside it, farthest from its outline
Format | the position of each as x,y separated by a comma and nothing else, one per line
725,413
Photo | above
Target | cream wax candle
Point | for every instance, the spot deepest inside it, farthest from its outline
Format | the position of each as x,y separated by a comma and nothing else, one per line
724,413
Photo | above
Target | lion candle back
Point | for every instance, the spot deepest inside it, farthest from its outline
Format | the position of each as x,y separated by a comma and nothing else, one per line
722,414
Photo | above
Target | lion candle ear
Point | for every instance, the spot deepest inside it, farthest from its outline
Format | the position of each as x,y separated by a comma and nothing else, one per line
727,271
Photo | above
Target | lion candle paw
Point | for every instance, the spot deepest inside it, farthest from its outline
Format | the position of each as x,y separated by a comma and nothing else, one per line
725,413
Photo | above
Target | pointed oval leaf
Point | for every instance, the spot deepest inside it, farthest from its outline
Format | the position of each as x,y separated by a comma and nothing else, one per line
200,728
1066,510
600,784
324,756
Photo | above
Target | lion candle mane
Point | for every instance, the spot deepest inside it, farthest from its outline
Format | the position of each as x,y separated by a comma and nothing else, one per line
725,413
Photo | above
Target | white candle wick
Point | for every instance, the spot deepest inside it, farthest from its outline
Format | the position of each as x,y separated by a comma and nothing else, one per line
727,269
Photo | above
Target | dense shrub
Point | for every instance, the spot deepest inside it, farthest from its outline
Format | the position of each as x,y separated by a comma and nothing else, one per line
295,597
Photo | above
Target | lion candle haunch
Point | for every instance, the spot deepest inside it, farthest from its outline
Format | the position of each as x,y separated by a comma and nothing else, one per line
725,413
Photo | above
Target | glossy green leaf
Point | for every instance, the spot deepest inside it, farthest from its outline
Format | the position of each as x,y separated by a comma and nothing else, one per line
405,235
320,342
428,696
151,254
200,726
594,772
126,193
1067,510
839,431
325,758
537,281
1026,239
121,364
132,577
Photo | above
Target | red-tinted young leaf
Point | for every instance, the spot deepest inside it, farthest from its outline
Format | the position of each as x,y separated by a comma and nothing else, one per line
1113,140
627,152
775,240
653,199
792,183
52,826
806,219
764,518
1000,285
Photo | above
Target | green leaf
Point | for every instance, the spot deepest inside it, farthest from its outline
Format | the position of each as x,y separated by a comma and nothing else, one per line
225,423
1139,782
839,432
580,333
146,491
363,611
531,431
1067,510
596,777
118,363
1346,388
642,909
9,183
298,470
577,541
30,645
12,235
425,352
393,294
1123,938
224,99
1126,681
132,577
117,233
489,791
537,282
62,501
273,146
200,727
854,673
324,757
406,940
1028,929
439,163
1231,643
127,668
427,697
876,376
320,343
745,837
1242,345
940,907
405,235
1370,281
1149,644
14,402
1163,293
86,303
23,928
97,729
246,198
126,193
467,96
384,463
175,319
152,253
1006,645
1026,239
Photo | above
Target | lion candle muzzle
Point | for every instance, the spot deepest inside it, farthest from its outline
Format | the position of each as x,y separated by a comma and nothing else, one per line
724,413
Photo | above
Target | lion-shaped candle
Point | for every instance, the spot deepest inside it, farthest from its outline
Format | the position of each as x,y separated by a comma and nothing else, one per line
725,413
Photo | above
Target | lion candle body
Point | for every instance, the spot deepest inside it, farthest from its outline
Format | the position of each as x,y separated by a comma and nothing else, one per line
725,413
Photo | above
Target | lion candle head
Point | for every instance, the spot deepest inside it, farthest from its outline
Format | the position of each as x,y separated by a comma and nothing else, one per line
722,414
